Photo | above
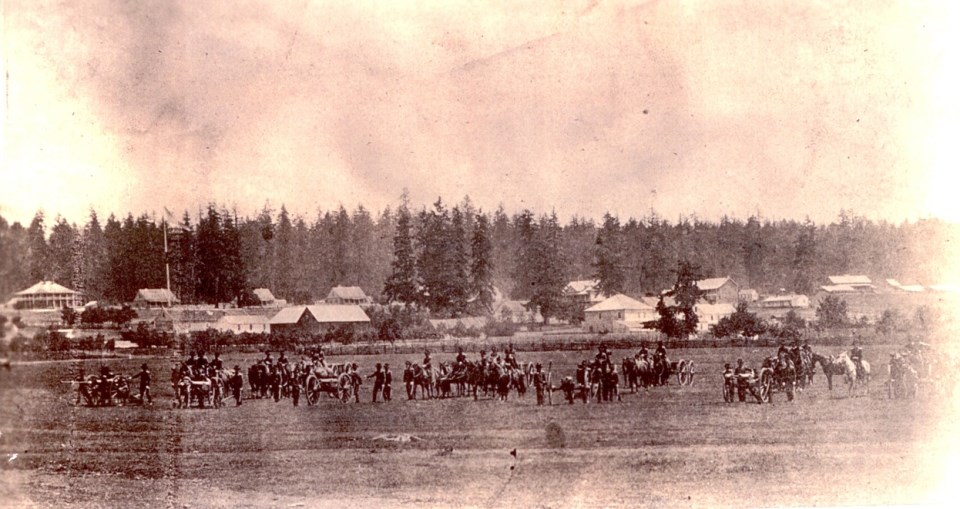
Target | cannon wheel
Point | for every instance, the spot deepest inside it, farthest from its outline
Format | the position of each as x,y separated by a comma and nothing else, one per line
766,386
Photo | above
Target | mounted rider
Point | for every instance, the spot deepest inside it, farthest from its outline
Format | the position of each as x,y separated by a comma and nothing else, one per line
661,352
643,351
460,356
426,361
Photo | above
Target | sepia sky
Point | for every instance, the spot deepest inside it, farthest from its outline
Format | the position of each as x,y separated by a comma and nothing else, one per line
792,109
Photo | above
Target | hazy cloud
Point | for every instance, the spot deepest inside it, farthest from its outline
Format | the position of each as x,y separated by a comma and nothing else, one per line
582,107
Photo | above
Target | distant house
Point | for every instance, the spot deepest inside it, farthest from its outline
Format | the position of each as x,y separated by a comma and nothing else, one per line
347,295
515,311
784,301
477,322
719,289
266,298
858,282
583,292
905,288
748,295
617,313
254,324
154,298
46,295
838,289
318,318
711,314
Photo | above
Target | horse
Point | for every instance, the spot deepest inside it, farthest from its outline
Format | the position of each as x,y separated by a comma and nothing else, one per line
843,365
645,372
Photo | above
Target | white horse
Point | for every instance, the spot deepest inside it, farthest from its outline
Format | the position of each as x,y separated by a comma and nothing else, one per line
843,365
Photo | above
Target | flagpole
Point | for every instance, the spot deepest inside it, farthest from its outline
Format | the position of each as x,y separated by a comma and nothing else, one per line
166,257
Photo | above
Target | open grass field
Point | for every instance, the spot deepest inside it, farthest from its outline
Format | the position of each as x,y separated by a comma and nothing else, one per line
665,447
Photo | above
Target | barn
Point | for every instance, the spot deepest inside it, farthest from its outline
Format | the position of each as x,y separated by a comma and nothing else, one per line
618,313
318,318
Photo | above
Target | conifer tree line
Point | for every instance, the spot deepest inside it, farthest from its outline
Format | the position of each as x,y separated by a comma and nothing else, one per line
453,259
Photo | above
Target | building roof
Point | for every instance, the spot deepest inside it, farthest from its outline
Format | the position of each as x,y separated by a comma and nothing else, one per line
722,308
581,287
712,283
155,295
243,319
838,289
347,293
477,322
46,288
847,279
619,302
323,313
264,295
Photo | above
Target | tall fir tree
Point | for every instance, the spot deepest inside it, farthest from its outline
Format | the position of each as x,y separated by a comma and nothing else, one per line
481,265
402,285
457,263
608,257
547,275
38,254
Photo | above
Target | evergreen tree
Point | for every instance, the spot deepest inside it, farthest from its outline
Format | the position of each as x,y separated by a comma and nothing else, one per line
433,264
525,266
62,252
457,263
679,320
94,259
38,256
547,275
804,260
608,257
183,260
210,257
402,285
481,268
283,275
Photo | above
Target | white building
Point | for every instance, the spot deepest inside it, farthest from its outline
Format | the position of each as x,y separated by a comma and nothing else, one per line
618,313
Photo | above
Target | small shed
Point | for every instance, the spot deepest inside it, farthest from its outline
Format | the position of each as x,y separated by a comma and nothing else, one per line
347,295
154,298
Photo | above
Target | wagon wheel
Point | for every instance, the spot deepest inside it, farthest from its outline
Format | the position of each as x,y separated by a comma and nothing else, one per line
766,386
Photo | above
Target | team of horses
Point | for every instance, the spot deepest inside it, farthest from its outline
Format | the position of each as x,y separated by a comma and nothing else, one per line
644,372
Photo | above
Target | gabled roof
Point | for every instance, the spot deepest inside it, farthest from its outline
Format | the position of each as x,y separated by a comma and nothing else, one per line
838,289
264,295
580,287
347,292
243,319
288,315
155,295
712,283
619,302
847,279
45,288
722,308
323,313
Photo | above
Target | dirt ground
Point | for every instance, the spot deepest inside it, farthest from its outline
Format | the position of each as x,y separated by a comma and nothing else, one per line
665,447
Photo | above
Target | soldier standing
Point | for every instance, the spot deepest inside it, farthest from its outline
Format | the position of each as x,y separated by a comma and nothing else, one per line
408,379
387,382
741,373
539,383
236,383
82,387
856,355
144,377
356,381
378,380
